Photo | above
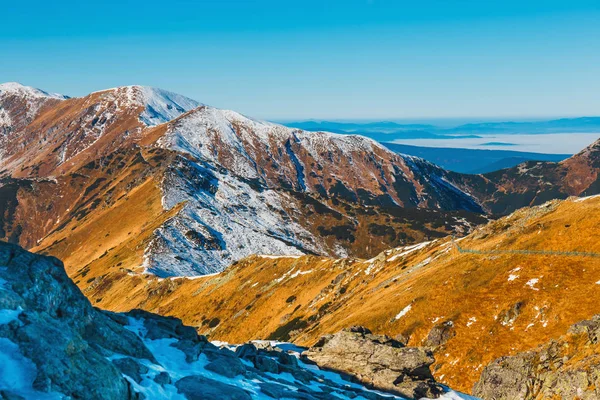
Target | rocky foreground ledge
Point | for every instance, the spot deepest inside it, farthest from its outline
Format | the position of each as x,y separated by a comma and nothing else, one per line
55,345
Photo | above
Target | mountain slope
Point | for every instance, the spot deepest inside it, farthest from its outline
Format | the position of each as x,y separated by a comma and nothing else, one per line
533,183
20,105
226,186
469,307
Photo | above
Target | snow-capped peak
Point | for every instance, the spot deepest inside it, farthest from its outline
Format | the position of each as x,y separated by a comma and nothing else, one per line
160,105
16,88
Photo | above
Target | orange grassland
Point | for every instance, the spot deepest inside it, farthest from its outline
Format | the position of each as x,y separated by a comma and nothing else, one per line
499,304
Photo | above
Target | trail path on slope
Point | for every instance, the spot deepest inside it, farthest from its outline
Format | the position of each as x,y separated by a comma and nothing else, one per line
526,252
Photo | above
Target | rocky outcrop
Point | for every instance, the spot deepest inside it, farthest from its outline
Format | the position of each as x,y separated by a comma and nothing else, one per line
377,360
567,368
55,327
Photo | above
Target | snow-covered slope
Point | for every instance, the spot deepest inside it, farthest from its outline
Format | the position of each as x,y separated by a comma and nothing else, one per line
15,88
224,219
19,104
159,105
238,190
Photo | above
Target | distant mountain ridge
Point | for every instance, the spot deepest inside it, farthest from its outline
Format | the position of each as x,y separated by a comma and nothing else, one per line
473,161
400,130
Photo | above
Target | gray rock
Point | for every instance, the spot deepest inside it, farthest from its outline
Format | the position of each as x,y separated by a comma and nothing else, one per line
7,395
162,378
131,368
440,334
378,361
281,392
159,327
266,364
287,359
227,366
246,351
200,388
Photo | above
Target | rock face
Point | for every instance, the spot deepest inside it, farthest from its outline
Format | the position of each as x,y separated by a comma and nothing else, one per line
55,345
567,368
57,329
378,361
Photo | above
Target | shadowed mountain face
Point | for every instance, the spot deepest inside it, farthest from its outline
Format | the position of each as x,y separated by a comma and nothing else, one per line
217,186
533,182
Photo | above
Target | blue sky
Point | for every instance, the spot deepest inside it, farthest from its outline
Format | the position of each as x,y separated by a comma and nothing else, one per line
351,59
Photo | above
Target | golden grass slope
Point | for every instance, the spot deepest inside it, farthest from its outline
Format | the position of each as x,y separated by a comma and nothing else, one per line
497,304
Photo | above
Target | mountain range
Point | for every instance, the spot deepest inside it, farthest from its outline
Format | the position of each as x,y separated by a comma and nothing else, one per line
387,130
246,229
473,161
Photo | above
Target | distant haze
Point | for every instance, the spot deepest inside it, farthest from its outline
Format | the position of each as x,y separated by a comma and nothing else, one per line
559,143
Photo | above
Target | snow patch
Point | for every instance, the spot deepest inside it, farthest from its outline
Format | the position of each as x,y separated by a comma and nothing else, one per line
17,373
580,199
407,250
403,312
7,316
532,282
15,88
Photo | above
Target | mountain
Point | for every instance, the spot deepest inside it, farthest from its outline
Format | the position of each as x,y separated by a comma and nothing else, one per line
209,187
473,161
55,345
20,106
581,124
68,133
508,287
534,182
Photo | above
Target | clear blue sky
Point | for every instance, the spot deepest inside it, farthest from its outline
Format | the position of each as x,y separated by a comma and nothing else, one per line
318,59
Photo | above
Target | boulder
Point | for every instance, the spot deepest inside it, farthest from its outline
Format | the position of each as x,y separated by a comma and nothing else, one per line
246,351
60,332
440,334
378,361
227,366
282,392
197,387
266,364
162,378
130,367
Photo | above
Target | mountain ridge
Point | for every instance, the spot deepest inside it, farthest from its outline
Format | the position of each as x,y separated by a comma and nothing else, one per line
248,186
